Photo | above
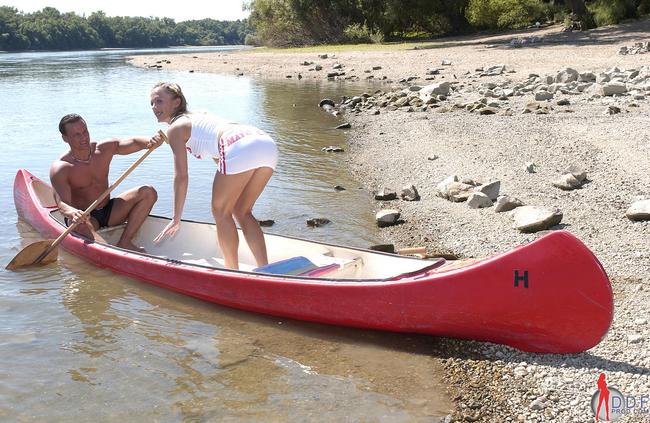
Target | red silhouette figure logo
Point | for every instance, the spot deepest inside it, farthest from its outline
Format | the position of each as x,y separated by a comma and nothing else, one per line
603,396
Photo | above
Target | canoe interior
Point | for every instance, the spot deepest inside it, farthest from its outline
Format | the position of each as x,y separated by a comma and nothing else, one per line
196,243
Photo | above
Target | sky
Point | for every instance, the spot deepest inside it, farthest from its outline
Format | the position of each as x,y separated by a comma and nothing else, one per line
179,10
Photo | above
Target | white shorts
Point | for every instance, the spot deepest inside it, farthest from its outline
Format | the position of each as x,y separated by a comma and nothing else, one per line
249,152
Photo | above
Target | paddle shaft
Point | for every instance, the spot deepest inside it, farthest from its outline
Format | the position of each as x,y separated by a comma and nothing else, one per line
97,201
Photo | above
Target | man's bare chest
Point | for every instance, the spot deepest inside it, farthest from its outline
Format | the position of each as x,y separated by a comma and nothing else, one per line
85,175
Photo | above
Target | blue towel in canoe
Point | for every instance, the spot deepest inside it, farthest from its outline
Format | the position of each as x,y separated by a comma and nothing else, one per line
291,266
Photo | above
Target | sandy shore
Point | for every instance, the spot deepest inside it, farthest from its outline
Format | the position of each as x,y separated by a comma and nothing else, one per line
492,382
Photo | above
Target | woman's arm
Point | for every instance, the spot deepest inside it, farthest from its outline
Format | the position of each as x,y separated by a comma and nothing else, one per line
181,178
178,136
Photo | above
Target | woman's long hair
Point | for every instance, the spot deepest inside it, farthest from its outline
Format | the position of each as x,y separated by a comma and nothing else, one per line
176,92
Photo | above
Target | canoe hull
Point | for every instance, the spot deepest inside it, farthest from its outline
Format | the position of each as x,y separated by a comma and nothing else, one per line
551,295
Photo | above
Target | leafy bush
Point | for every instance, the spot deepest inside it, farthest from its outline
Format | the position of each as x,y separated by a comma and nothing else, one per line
502,14
607,12
252,40
644,7
357,33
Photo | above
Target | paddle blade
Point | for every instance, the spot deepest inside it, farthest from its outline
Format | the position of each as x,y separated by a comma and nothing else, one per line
28,255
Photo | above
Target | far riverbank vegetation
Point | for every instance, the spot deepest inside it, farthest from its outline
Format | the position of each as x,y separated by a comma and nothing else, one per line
294,23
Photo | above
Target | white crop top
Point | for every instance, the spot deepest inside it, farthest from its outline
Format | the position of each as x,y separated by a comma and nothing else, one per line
212,134
204,139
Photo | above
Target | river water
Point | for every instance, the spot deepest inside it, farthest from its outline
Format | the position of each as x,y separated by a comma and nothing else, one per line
78,343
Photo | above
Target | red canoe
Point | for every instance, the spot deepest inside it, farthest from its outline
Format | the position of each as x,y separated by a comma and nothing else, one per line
551,295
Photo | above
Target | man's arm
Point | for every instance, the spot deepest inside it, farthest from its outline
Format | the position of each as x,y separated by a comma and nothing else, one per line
133,144
63,191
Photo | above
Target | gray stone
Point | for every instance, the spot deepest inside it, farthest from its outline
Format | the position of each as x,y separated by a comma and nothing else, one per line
317,222
567,182
530,167
332,149
567,75
326,102
634,338
505,203
478,200
639,210
387,217
488,111
612,88
490,189
587,77
453,190
443,186
385,194
543,95
441,88
410,193
576,171
530,219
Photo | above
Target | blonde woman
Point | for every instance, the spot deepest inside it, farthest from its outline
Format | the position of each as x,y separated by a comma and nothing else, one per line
246,158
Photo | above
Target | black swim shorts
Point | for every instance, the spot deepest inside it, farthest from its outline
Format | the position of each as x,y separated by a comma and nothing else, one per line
102,215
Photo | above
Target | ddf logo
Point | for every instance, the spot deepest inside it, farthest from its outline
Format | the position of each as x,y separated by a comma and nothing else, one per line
609,404
607,401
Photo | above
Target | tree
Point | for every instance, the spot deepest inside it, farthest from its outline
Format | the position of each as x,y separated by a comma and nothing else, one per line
579,9
577,6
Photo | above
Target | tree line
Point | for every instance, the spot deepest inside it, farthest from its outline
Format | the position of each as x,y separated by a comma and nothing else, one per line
48,29
284,23
303,22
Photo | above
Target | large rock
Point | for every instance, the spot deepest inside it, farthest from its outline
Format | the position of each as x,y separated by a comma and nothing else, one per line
543,96
612,88
409,193
587,77
490,189
567,75
576,171
505,203
457,192
567,182
317,222
533,219
326,103
478,200
385,194
441,88
639,210
387,217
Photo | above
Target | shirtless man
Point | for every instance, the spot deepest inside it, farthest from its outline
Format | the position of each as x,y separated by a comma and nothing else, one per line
80,176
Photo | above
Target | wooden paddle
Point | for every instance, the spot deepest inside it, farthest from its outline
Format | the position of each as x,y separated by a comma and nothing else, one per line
44,252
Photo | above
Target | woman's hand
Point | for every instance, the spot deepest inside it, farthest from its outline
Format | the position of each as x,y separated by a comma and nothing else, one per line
169,231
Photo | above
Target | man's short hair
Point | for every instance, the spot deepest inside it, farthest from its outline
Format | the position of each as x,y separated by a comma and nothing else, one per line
69,118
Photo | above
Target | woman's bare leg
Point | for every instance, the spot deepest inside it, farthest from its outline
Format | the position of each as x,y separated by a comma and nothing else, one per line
243,212
226,190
